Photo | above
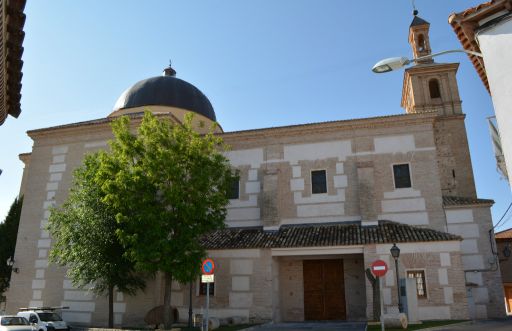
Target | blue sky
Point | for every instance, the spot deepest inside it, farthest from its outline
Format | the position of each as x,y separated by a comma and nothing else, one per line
261,63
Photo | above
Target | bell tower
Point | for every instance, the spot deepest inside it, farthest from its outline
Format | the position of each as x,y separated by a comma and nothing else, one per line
419,39
429,86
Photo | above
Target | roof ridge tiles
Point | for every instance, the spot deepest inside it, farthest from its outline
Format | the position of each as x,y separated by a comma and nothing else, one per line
322,235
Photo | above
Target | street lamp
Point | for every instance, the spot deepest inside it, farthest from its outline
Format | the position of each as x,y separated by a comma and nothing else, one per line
395,252
395,63
507,251
10,263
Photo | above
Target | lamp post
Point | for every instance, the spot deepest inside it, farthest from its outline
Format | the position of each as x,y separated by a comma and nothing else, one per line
507,251
10,264
395,252
190,306
395,63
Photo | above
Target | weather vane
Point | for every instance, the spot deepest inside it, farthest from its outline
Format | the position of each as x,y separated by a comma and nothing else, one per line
414,10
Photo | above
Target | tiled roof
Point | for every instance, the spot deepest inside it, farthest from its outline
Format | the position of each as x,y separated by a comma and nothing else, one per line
473,10
465,25
321,235
460,201
12,20
505,234
380,119
418,21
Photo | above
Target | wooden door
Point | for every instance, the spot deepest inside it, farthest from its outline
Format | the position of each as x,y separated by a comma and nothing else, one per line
508,298
324,290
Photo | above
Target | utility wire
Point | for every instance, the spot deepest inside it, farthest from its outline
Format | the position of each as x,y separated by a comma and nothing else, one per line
506,220
505,213
493,248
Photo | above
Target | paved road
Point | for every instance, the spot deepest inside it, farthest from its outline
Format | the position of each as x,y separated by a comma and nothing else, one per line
317,326
488,325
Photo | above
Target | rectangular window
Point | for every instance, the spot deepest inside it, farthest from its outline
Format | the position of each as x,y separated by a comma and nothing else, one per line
234,189
202,288
421,285
318,181
402,175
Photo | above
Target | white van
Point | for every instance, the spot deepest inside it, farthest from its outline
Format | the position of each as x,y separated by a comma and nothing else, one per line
44,318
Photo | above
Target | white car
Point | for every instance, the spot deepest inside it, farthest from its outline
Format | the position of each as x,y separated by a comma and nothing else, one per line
44,320
15,323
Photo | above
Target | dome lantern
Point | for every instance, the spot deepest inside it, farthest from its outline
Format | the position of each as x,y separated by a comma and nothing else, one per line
169,71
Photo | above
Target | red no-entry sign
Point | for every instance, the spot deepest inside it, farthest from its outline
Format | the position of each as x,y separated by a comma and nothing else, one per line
379,268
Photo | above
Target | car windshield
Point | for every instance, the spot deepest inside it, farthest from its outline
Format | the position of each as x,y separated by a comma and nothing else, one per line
49,317
14,320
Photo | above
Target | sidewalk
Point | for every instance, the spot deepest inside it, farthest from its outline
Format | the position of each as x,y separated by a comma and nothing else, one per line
304,326
487,325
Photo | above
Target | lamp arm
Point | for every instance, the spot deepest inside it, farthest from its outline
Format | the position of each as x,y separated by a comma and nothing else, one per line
446,52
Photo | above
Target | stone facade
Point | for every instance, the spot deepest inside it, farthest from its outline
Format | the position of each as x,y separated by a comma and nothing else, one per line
275,191
413,169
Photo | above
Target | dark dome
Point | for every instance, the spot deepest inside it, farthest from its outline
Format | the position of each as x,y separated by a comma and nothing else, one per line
166,91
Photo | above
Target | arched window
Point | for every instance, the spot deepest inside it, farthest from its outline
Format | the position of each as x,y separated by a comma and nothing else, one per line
421,43
433,86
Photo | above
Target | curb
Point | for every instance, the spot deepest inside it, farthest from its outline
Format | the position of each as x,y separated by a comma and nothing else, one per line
252,328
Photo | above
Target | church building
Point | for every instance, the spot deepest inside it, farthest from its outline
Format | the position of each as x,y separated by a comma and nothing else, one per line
316,205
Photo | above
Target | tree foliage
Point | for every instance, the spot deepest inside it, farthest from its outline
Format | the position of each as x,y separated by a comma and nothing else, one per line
169,184
8,235
85,240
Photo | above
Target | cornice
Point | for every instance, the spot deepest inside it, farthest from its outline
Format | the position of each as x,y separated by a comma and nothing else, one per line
431,68
472,205
87,127
401,120
102,126
25,157
450,117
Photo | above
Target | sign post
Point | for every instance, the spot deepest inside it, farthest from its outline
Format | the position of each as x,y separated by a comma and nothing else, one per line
379,269
207,268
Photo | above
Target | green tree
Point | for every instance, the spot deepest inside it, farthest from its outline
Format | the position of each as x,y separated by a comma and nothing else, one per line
170,185
8,235
85,240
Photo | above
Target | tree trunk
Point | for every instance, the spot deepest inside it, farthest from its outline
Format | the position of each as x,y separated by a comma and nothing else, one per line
167,301
375,293
111,306
190,306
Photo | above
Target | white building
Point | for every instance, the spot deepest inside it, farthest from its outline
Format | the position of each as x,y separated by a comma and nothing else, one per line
487,28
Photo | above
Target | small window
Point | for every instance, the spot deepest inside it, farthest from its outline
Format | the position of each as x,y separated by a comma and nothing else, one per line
202,288
433,87
402,175
234,189
318,181
421,43
421,285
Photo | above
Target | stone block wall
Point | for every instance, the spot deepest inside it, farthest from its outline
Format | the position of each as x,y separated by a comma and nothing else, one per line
453,158
291,290
444,276
355,291
243,287
483,278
